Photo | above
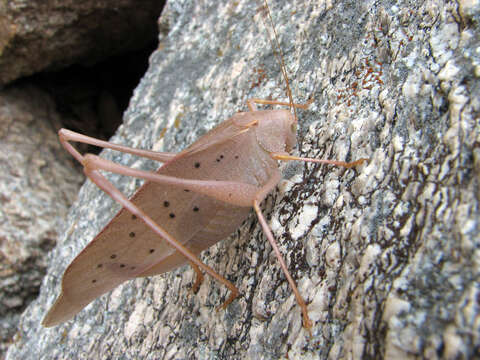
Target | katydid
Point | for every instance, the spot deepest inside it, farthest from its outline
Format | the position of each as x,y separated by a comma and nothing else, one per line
197,198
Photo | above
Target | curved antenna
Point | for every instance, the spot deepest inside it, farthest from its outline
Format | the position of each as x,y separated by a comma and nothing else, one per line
279,55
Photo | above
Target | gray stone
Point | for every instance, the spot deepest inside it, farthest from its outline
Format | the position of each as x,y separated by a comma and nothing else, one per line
386,254
46,35
38,185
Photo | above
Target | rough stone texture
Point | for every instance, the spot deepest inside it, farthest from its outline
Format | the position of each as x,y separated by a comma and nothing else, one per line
387,254
38,35
38,184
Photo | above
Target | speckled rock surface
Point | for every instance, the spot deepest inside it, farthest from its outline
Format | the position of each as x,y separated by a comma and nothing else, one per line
38,184
37,35
387,255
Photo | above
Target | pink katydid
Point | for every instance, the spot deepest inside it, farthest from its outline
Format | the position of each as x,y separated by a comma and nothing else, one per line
197,198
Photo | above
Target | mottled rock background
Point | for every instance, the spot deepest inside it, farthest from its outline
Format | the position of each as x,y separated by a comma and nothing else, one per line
38,184
90,56
387,254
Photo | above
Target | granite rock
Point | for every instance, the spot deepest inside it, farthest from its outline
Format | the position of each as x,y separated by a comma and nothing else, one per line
38,185
386,254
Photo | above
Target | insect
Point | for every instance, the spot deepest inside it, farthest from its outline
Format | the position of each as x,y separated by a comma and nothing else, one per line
197,198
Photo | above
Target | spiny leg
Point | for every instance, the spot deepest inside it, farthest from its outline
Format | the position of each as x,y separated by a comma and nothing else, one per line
286,157
233,192
307,323
260,196
251,103
198,279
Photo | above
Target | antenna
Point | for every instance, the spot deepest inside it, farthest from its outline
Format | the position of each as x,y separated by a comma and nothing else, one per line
279,55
